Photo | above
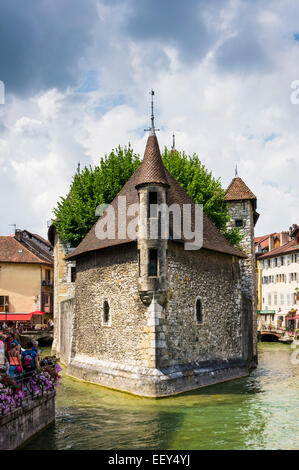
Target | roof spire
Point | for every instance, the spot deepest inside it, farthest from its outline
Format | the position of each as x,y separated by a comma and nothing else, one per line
236,171
152,129
173,141
78,168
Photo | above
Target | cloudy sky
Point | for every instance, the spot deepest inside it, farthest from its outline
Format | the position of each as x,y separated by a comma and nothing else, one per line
77,76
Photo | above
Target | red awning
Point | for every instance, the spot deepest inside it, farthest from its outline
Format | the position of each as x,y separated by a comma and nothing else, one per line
37,312
15,316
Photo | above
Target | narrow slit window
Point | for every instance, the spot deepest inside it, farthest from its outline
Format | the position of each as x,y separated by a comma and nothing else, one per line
198,311
138,263
153,262
106,312
73,273
152,204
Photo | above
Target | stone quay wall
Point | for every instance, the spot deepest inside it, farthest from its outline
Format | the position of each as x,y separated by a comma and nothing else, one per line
23,423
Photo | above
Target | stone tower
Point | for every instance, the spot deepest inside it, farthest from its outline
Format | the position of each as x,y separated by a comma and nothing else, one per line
152,260
242,209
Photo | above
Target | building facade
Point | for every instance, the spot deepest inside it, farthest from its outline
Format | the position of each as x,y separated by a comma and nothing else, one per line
26,277
278,268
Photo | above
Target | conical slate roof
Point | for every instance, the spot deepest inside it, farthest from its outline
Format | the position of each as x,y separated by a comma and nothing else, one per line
150,171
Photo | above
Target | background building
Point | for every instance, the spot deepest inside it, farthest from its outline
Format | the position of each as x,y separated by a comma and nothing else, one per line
278,278
26,277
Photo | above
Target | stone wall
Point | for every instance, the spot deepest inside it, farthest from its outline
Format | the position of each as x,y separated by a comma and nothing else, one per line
63,287
23,423
214,279
244,210
157,351
111,276
66,329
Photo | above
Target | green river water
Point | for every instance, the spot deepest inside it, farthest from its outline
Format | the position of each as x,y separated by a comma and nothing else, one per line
257,412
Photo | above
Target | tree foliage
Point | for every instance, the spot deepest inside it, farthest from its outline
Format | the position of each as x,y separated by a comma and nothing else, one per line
203,188
75,214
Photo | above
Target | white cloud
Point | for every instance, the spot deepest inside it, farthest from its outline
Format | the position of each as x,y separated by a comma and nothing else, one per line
227,116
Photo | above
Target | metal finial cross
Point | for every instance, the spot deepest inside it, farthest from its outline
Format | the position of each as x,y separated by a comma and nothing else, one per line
236,171
152,129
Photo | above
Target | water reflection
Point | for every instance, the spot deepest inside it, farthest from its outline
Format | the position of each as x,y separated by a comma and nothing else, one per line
257,412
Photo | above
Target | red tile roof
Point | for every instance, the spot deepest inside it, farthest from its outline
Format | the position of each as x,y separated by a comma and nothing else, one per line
289,247
238,190
13,251
152,171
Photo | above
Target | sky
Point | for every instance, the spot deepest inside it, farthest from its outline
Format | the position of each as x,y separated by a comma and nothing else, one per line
77,77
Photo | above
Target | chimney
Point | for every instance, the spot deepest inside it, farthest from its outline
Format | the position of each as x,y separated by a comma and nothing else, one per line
284,238
271,243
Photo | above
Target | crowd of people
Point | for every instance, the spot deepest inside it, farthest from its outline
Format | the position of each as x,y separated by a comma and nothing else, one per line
19,327
15,360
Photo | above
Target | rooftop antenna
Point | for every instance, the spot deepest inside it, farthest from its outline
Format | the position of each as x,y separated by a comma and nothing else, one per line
152,129
236,171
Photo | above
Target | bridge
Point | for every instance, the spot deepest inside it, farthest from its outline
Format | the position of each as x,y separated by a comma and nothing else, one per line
43,337
274,335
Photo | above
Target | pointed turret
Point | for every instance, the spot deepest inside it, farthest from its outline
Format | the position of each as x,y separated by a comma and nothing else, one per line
152,170
238,191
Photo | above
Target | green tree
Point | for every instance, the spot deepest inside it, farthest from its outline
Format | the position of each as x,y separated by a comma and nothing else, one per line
203,188
75,214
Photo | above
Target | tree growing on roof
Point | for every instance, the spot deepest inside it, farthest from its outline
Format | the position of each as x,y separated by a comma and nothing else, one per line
75,214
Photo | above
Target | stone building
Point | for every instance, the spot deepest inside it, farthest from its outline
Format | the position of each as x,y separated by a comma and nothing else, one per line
148,316
242,209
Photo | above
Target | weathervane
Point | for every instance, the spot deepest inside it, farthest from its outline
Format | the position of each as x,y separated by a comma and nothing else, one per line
152,129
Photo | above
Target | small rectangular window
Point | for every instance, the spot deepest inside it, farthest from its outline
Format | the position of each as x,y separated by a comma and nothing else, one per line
4,303
152,204
153,262
73,273
239,223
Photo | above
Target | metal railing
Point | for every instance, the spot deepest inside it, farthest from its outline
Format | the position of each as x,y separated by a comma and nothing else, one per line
29,393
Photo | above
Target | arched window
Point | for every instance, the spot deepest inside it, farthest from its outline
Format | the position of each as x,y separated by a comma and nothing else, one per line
198,311
106,314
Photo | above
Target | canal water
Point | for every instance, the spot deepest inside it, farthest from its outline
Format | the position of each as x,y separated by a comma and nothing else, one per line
257,412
